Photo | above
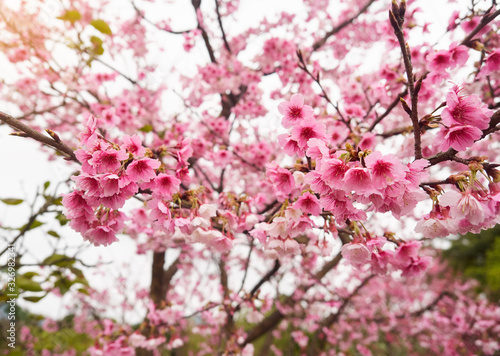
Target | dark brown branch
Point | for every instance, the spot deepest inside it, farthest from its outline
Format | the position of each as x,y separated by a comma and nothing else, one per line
36,112
487,18
268,207
43,209
396,131
196,5
141,15
431,305
247,264
334,317
316,78
169,274
271,321
219,19
318,44
396,16
266,277
394,103
29,132
157,278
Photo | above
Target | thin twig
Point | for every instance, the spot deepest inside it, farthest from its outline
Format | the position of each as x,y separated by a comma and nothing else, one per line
29,132
318,44
219,19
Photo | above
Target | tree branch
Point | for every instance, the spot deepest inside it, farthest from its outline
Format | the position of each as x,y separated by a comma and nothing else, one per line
219,19
396,16
29,132
318,44
389,109
487,18
276,316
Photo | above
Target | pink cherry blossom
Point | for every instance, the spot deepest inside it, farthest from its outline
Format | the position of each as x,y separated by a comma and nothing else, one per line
133,145
108,160
492,63
306,130
458,137
356,254
294,111
166,185
357,179
143,170
308,203
385,169
465,110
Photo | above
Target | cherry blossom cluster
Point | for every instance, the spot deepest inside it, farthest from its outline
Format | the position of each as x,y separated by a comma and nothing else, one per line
111,175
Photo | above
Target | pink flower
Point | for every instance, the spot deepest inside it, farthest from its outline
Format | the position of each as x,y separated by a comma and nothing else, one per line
492,63
76,206
88,183
143,169
308,204
333,171
459,137
465,110
356,254
417,266
50,325
166,185
416,173
459,55
385,170
108,160
380,261
357,179
290,146
406,253
439,60
368,141
89,136
100,235
133,145
465,205
281,178
110,184
307,130
316,182
317,149
294,111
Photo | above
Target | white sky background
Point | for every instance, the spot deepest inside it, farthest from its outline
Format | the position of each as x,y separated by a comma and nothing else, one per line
24,167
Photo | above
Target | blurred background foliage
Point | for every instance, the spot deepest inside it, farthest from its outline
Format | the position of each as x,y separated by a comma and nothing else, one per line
478,256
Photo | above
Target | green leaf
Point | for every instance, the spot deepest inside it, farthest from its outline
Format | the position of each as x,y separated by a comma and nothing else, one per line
53,233
32,226
101,26
62,219
28,284
63,284
83,290
97,48
46,185
12,201
59,260
30,275
77,272
81,281
71,16
34,299
146,128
